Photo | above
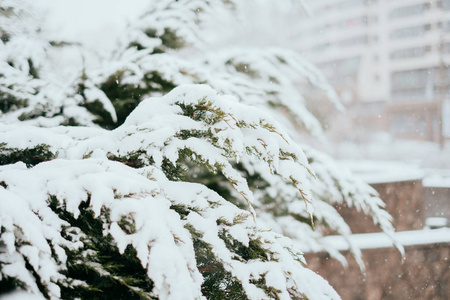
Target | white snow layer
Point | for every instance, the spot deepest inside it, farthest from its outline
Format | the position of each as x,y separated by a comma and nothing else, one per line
374,172
380,240
437,181
21,296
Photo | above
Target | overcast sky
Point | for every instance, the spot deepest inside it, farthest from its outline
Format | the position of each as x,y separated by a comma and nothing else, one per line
96,23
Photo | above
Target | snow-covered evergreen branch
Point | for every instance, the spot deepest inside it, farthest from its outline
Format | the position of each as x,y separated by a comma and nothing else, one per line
178,175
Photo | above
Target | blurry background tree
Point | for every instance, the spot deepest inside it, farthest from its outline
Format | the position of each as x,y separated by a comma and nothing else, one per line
180,173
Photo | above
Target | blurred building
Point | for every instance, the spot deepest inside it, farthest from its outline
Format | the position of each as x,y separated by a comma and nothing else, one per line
387,60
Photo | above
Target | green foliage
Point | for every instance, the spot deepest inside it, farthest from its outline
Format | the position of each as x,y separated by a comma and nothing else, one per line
127,224
203,111
33,71
135,159
182,210
8,284
104,273
103,117
30,156
217,282
42,110
174,172
253,251
126,97
244,68
9,102
261,283
213,180
170,39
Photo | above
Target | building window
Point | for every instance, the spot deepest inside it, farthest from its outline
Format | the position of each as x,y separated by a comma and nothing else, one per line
446,4
401,124
354,22
407,11
446,26
411,78
409,31
350,4
411,52
413,85
360,40
341,69
446,48
421,125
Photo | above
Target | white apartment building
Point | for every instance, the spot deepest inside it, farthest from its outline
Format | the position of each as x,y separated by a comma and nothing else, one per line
387,59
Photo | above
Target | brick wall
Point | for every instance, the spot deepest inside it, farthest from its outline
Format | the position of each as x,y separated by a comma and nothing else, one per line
437,202
425,273
404,201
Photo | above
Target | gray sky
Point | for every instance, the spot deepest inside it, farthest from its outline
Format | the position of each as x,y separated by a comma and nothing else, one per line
96,23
